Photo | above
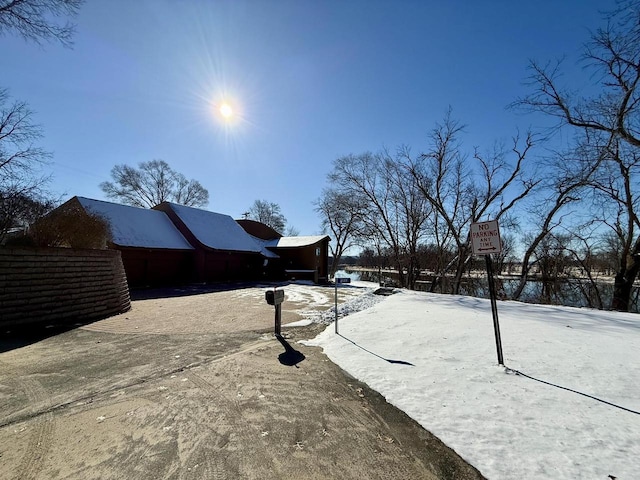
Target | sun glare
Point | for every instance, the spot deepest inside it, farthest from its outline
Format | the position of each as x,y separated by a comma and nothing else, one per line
226,111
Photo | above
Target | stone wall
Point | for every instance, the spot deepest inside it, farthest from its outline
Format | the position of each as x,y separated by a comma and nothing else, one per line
60,285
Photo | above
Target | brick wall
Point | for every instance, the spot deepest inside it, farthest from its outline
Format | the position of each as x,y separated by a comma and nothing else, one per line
60,285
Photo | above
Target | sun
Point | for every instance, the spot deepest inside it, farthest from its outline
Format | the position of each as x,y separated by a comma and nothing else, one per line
226,111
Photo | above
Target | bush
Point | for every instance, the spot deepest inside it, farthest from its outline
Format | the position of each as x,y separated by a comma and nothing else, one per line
71,226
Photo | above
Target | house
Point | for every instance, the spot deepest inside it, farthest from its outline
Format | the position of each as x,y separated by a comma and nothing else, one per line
223,250
175,244
303,257
153,250
300,257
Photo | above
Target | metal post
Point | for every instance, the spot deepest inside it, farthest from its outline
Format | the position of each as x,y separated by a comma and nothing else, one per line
275,297
335,282
494,308
278,319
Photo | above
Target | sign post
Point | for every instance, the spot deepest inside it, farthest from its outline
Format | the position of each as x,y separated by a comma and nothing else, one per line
485,239
336,281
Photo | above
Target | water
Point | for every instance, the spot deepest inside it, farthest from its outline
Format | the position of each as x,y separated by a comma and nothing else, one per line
568,292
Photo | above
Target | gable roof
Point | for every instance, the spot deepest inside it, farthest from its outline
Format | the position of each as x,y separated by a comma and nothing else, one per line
291,242
214,230
137,227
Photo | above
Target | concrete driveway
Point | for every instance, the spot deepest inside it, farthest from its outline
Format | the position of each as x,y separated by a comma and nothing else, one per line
192,384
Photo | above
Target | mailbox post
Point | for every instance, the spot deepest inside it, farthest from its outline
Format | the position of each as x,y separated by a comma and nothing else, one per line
275,297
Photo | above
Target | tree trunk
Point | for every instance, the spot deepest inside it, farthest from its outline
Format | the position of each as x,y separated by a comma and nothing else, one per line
622,288
400,267
463,260
437,280
623,283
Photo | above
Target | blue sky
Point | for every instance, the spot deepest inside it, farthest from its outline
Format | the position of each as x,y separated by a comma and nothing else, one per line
310,80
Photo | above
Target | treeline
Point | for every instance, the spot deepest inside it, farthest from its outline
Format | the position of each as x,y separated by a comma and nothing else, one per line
574,205
560,275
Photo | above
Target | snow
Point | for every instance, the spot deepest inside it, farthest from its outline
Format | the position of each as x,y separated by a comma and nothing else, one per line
137,227
216,230
301,241
263,247
320,307
149,228
566,405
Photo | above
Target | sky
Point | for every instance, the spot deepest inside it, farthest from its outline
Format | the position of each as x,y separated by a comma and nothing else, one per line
565,405
309,82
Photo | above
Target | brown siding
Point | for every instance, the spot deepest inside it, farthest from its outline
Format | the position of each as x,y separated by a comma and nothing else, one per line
231,266
157,267
212,265
60,285
305,258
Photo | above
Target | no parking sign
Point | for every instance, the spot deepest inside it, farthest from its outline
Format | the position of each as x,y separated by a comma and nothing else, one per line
485,239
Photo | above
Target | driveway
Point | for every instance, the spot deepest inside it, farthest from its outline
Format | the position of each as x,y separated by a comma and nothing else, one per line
192,384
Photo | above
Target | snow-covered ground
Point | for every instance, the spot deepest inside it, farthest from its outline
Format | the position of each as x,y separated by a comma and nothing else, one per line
566,405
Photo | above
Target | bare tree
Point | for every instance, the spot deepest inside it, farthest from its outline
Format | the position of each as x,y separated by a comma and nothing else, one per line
566,181
506,255
379,183
20,210
22,184
357,177
341,216
617,187
609,120
551,262
442,176
21,162
152,183
413,212
34,20
584,252
292,231
461,192
189,192
268,213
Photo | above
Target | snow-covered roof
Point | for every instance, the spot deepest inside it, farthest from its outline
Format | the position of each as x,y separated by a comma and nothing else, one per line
302,241
137,227
264,250
216,230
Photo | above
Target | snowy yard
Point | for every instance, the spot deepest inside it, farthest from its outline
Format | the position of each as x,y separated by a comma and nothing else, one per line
566,405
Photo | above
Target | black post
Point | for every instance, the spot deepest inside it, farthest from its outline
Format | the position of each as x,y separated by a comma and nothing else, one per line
275,297
278,319
494,308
